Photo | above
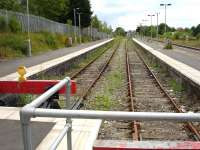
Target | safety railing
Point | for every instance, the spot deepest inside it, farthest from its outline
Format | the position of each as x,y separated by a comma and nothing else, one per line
28,111
31,110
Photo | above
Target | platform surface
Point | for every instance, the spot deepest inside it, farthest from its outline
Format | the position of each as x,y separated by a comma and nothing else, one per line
185,55
145,145
45,130
186,70
10,66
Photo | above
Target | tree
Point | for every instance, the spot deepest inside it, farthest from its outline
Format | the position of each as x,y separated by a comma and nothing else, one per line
10,5
95,22
196,30
120,31
84,9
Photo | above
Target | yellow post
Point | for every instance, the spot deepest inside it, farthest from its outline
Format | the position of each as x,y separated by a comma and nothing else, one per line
21,71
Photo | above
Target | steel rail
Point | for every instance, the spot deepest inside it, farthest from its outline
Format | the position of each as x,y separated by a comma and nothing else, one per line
87,65
135,133
84,95
190,126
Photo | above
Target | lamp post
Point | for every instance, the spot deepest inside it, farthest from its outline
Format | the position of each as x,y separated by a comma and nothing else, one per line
79,16
151,15
75,23
157,14
28,29
165,5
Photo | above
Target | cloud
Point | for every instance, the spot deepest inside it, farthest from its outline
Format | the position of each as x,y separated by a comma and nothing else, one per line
129,13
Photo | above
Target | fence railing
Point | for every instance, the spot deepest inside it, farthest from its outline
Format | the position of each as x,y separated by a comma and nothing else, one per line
39,24
31,110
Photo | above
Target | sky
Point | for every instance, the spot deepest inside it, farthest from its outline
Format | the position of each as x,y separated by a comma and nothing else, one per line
130,13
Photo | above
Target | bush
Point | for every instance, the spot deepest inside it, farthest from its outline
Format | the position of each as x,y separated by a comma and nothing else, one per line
3,26
50,40
14,42
14,25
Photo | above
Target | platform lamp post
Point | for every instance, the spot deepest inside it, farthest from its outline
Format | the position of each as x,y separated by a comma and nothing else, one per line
151,15
79,18
75,34
157,15
28,29
165,5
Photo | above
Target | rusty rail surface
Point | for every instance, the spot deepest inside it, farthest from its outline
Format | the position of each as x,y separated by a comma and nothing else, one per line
135,133
189,125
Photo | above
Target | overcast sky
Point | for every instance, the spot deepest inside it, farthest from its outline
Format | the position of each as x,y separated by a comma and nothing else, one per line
129,13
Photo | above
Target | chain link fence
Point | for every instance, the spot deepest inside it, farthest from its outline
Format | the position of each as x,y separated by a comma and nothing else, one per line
41,24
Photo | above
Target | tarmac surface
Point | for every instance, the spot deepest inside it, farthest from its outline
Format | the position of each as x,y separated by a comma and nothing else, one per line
11,135
187,56
10,66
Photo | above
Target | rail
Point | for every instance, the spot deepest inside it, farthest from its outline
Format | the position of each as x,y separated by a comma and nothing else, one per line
31,111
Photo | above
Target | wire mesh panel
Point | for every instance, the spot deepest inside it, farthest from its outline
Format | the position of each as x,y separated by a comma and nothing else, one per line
41,24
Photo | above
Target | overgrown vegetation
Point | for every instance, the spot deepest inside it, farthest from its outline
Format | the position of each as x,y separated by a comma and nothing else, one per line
187,36
25,99
60,11
177,87
15,44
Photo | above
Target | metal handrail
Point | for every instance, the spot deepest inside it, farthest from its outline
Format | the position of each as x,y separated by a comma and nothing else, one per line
30,111
27,112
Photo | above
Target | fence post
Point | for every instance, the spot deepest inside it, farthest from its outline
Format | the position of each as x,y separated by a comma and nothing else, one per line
26,131
68,120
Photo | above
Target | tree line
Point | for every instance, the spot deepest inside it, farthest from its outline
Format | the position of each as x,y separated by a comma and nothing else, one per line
59,10
175,33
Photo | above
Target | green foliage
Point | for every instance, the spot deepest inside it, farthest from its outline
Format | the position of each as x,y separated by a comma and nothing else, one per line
14,25
51,9
177,87
103,102
50,39
196,30
3,25
102,27
24,99
120,32
84,8
14,42
10,5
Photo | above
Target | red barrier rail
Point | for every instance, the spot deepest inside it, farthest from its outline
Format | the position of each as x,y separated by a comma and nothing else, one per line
32,87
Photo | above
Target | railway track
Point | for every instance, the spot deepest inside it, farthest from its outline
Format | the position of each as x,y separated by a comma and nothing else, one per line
87,76
149,95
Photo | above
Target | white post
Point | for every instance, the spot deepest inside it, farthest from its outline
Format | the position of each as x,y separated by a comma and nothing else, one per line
157,24
79,15
28,40
75,25
165,18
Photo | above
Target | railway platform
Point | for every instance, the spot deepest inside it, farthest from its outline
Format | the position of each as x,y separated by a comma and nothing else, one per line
48,63
45,130
187,56
7,66
186,70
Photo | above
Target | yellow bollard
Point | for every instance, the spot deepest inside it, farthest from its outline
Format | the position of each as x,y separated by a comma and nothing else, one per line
21,71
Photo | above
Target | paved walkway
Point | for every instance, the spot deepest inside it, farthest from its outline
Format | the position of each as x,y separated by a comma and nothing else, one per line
187,56
10,66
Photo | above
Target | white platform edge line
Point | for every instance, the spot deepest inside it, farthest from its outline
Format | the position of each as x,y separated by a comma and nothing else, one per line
189,72
43,66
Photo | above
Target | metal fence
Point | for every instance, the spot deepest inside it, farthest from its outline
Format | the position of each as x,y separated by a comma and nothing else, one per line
31,110
41,24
